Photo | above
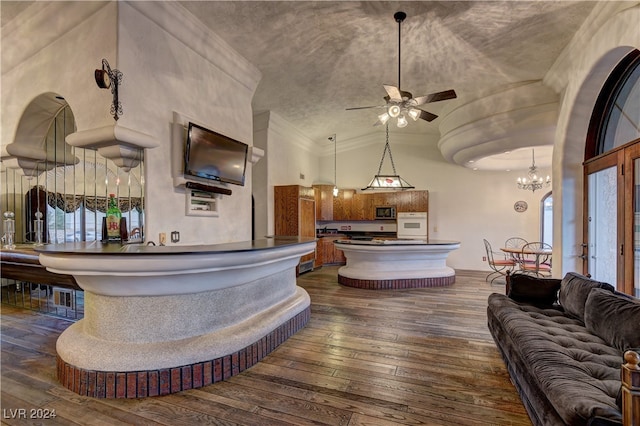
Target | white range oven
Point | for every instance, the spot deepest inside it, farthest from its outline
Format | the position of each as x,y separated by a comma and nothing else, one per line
412,225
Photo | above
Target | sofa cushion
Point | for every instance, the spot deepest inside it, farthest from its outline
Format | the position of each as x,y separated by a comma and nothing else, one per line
614,318
530,289
574,290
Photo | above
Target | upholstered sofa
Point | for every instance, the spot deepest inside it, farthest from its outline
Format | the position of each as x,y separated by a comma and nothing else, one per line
564,343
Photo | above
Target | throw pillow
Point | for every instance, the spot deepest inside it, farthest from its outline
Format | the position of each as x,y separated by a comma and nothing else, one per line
574,290
614,318
537,291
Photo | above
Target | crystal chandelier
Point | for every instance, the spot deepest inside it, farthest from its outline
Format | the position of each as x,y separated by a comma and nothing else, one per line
533,182
393,181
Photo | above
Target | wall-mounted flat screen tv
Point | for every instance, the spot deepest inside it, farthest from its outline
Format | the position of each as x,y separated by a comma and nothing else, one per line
215,157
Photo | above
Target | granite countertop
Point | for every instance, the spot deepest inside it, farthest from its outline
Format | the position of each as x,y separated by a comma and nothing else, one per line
396,242
99,248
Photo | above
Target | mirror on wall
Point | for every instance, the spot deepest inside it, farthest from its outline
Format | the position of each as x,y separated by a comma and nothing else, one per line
68,186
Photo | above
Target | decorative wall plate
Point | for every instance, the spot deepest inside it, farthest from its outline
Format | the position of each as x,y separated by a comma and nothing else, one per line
520,206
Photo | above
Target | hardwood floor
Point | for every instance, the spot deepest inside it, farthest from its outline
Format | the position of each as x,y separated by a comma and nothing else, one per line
367,357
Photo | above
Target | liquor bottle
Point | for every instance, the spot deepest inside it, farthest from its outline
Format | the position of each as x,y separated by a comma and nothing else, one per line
113,220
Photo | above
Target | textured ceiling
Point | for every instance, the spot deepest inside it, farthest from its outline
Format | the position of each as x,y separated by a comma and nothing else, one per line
318,58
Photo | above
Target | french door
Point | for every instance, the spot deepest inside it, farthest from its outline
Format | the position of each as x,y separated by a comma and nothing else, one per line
612,221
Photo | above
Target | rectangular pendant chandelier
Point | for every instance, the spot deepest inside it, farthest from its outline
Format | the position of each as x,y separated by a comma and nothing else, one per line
393,181
388,182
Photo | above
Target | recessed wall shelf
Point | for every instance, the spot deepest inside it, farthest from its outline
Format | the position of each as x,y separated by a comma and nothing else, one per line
201,203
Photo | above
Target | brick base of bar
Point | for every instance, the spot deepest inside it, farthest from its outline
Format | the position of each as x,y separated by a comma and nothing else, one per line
396,284
141,384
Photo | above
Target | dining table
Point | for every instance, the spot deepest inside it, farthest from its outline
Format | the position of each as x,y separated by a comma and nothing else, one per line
517,254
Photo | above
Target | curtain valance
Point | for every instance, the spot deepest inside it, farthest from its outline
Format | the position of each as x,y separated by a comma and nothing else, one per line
70,203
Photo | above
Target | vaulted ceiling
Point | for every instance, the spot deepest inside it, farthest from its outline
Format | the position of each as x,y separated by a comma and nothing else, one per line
318,58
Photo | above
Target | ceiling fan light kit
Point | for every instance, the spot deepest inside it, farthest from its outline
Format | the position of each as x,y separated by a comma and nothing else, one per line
400,103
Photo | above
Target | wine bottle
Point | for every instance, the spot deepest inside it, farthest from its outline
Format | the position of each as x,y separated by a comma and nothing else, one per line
113,220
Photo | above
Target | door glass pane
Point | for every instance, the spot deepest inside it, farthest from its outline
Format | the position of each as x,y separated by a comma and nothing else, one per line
636,227
603,210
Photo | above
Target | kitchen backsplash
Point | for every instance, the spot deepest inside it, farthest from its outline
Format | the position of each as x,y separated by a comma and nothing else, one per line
359,226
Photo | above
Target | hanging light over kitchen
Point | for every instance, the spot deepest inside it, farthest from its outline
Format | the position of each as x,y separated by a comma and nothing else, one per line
393,181
335,163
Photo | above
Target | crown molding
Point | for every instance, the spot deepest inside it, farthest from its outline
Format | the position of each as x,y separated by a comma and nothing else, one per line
284,130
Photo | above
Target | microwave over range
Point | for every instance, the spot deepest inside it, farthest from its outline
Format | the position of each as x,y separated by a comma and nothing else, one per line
385,212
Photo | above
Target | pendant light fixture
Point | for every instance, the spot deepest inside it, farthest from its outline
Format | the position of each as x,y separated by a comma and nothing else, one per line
335,164
393,181
533,182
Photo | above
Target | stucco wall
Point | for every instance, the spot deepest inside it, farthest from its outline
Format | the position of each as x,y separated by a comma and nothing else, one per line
174,63
170,61
290,159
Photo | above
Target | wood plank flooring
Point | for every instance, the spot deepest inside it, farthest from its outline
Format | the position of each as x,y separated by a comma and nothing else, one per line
367,357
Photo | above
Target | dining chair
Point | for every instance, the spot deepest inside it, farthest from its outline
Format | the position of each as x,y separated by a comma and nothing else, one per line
515,243
535,258
499,265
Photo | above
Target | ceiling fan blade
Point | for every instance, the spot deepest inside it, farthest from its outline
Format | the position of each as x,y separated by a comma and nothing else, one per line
366,107
427,116
435,97
393,92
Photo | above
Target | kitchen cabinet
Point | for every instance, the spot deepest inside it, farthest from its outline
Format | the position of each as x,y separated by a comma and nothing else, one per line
328,254
413,201
342,204
323,195
362,207
352,206
295,214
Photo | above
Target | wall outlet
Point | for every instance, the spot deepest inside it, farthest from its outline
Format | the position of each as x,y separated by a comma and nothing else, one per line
484,258
162,238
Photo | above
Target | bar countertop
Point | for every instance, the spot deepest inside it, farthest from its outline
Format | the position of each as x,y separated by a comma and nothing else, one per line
99,248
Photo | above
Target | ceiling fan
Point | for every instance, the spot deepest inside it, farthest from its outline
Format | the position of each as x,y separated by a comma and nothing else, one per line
400,103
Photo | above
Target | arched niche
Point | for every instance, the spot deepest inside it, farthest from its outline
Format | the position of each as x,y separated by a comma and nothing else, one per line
46,174
39,144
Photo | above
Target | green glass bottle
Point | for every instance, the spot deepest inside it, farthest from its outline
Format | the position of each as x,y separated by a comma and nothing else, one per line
113,220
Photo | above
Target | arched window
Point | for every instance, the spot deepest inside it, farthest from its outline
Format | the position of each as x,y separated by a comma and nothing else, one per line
612,180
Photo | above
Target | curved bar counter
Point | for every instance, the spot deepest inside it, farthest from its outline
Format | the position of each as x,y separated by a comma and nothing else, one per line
395,264
162,319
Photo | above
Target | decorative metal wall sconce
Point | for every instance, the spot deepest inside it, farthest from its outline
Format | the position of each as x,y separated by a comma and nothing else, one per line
107,78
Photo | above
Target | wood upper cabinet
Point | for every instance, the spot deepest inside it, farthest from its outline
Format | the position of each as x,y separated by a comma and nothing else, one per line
350,205
323,195
361,207
342,204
